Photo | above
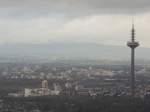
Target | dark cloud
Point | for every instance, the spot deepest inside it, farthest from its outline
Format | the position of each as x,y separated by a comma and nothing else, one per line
71,8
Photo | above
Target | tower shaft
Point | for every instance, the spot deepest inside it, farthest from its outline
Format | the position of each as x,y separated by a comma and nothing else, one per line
132,73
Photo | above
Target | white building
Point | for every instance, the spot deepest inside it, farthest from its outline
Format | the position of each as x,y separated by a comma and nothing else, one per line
44,91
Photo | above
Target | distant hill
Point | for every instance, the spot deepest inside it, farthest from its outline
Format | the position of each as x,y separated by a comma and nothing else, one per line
54,51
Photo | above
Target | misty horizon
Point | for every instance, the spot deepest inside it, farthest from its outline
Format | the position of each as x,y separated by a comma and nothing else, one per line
71,51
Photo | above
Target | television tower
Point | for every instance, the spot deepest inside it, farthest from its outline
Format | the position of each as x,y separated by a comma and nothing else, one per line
132,44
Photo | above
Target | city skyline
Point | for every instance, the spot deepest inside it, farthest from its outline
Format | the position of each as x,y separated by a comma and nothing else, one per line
62,55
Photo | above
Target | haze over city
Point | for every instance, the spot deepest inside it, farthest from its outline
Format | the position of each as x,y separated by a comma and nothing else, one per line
74,56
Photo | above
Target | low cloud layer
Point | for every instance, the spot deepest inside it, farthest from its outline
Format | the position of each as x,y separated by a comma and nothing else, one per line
72,7
92,21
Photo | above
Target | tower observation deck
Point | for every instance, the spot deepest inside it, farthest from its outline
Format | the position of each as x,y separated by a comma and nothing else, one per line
132,44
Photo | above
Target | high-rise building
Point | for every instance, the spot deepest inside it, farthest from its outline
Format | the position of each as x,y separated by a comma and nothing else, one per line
45,90
132,44
45,84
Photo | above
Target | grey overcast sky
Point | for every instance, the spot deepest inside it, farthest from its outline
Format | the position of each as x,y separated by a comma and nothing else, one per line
88,21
